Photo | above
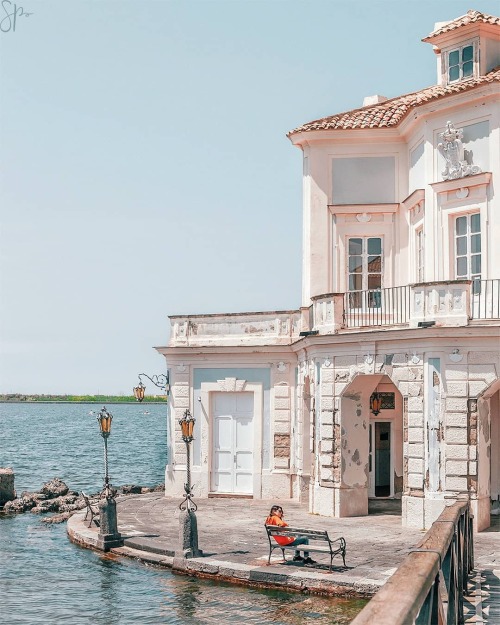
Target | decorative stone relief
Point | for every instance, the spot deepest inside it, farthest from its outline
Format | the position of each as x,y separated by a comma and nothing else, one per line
282,367
452,149
456,356
462,193
181,368
364,217
231,385
327,362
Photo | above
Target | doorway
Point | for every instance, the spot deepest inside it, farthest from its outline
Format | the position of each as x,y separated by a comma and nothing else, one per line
232,443
380,460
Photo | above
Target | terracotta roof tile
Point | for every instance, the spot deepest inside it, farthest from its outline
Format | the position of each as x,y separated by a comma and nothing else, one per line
390,113
470,17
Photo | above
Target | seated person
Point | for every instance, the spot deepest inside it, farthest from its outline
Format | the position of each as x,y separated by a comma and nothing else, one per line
276,518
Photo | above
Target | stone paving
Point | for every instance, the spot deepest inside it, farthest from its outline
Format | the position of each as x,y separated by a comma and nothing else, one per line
235,545
483,603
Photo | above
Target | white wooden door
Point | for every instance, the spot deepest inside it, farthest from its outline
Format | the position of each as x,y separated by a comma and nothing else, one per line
232,465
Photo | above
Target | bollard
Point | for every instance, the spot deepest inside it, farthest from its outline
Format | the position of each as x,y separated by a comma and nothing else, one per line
7,492
188,534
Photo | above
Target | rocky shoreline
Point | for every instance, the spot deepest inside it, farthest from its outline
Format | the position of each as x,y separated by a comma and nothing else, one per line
56,496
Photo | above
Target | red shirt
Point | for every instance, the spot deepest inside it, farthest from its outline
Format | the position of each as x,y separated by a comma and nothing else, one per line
281,540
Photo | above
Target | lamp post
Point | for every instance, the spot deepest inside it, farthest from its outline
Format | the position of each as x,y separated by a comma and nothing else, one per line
188,531
187,427
108,536
161,381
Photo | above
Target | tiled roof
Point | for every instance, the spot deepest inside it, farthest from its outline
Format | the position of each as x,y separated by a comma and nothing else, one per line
470,17
390,113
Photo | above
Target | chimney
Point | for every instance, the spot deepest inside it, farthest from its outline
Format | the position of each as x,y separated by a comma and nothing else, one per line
370,100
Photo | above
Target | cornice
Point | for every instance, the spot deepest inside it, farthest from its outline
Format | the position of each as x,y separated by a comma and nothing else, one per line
477,180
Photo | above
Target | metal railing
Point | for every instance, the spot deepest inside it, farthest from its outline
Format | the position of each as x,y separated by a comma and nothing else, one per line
485,299
377,307
429,586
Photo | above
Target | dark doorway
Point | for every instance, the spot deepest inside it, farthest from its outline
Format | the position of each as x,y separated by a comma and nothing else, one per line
382,459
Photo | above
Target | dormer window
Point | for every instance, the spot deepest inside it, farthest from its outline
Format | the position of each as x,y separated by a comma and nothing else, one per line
461,63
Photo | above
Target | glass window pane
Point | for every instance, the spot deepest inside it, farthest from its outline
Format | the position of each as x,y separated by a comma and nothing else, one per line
374,281
467,53
355,264
467,69
355,246
475,243
454,73
475,264
461,267
374,246
374,264
454,57
355,282
475,223
461,225
461,246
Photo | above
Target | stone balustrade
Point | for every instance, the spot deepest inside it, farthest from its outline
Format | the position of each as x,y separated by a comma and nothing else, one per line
236,329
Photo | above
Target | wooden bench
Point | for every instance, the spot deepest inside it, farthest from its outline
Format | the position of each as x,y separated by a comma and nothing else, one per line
331,546
92,510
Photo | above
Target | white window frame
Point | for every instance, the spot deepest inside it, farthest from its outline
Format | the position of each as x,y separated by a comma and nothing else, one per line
364,255
469,254
446,61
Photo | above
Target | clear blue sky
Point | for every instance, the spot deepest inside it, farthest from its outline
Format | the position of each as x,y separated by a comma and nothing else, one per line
145,169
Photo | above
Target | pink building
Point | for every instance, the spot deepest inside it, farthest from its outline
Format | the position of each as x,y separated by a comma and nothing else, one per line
385,383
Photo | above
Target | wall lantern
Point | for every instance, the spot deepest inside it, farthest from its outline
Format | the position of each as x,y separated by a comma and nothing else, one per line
161,381
375,403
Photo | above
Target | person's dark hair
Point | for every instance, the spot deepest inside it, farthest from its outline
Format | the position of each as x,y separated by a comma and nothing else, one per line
275,509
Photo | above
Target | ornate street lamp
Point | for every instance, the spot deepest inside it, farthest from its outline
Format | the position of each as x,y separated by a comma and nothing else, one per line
187,427
161,381
108,536
104,419
188,532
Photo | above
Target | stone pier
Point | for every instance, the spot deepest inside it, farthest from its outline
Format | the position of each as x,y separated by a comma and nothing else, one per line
7,492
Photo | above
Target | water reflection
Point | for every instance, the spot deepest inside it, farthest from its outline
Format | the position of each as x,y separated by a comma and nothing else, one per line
46,579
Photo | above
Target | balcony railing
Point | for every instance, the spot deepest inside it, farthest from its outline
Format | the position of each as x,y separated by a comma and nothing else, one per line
378,307
485,300
445,303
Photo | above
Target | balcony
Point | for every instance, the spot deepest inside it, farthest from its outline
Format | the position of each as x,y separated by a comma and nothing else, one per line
235,329
451,303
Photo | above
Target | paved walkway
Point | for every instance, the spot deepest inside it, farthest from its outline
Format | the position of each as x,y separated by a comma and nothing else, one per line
235,545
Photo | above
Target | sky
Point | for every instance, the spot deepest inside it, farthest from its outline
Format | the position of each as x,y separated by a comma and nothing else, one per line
145,169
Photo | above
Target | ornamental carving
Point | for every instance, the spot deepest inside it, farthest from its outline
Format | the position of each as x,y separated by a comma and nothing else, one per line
231,385
452,149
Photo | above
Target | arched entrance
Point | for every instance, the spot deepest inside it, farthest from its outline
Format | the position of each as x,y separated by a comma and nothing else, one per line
371,443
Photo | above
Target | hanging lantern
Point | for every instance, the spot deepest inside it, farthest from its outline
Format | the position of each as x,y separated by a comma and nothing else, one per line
139,391
375,403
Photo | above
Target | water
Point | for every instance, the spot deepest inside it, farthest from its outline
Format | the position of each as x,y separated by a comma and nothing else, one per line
46,579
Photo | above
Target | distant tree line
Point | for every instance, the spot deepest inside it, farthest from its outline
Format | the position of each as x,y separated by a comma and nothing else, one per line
102,399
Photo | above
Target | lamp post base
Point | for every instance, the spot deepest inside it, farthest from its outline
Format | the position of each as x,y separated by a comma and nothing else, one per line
188,534
108,536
